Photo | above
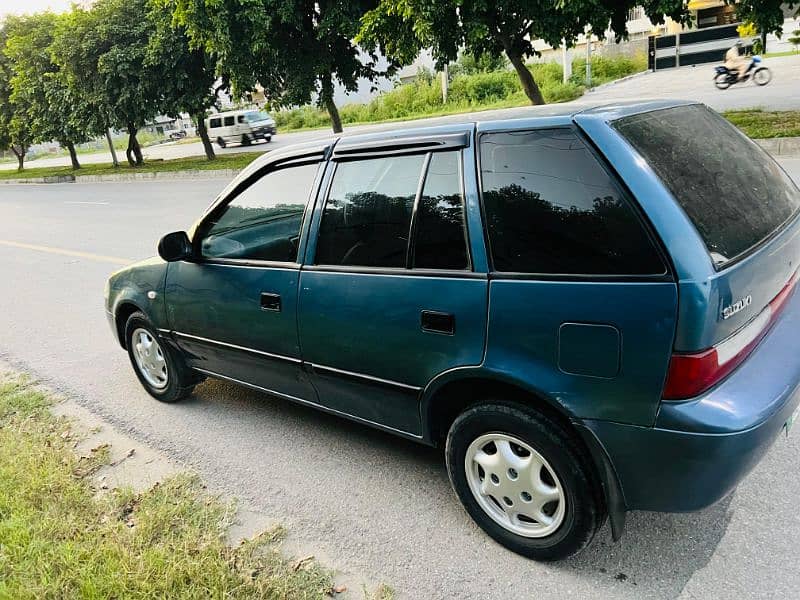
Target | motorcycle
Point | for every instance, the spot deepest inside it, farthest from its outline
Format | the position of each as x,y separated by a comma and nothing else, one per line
725,78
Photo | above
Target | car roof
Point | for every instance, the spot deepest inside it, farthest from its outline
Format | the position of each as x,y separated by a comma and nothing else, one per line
548,115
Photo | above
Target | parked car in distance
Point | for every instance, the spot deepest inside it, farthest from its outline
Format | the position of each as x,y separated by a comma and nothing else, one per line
240,126
178,134
592,310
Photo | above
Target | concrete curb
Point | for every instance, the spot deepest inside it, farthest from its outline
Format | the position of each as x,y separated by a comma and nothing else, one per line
788,146
161,175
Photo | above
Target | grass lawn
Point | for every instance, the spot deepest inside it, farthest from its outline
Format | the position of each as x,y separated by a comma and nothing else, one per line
60,539
226,161
766,124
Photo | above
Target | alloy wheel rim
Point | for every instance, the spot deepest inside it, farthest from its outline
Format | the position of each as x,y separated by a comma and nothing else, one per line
150,358
515,485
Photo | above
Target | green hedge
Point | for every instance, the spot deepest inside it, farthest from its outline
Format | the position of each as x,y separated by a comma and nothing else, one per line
467,92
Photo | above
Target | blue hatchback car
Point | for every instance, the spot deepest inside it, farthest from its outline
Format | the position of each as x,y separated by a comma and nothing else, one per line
592,310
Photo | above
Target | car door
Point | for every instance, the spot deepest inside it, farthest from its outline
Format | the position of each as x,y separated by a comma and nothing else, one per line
233,308
390,293
583,304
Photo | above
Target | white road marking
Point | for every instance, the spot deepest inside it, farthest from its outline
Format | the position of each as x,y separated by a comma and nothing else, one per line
81,202
65,252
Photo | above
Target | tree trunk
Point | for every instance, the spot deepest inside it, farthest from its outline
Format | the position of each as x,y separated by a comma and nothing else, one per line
20,157
200,119
529,86
133,152
111,148
73,156
330,105
764,42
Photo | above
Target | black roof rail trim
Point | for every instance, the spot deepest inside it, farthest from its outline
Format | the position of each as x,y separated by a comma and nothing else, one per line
401,145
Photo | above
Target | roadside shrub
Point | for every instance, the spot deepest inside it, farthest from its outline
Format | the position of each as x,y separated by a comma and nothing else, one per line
476,91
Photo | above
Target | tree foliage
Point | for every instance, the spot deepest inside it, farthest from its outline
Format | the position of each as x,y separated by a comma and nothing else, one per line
52,108
401,28
189,87
766,15
15,134
293,49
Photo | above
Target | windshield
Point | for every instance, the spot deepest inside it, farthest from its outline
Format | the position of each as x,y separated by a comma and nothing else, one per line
732,190
254,116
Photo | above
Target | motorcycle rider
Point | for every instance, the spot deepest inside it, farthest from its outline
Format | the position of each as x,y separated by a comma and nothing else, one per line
735,62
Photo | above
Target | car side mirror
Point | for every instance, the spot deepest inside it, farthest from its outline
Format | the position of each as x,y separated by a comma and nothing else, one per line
175,246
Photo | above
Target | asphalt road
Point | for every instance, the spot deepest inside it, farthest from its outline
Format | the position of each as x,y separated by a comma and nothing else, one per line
692,83
363,501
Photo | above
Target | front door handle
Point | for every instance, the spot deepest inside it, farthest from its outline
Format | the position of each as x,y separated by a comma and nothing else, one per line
438,322
270,301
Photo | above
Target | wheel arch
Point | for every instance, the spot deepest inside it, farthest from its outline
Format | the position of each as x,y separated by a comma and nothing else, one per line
122,312
447,396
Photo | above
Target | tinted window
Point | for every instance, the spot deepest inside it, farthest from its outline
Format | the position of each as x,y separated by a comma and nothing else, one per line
552,208
735,194
216,123
263,221
368,212
228,121
240,119
441,241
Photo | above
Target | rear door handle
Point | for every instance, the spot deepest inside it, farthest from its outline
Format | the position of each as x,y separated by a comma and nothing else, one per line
270,301
438,322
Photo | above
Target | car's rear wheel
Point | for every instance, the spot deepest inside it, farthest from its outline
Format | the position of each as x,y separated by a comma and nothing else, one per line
524,479
160,371
220,142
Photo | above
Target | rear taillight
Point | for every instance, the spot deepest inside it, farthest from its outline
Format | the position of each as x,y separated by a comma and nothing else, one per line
691,374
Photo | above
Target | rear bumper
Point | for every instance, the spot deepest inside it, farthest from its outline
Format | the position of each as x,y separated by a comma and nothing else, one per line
699,450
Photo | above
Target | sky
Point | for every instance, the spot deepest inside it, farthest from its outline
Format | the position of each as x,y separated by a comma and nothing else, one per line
19,7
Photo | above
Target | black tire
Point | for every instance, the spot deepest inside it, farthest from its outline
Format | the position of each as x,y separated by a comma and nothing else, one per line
220,142
180,379
721,81
246,140
584,511
762,76
268,139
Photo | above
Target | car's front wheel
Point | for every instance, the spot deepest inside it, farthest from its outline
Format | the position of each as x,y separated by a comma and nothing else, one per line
524,479
163,375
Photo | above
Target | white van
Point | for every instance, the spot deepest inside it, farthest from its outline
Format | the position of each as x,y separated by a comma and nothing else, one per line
240,126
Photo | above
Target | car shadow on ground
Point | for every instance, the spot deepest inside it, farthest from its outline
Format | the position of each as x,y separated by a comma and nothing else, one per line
659,551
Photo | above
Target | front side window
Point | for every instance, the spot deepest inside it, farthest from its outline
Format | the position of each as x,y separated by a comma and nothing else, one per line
552,208
240,118
263,221
367,215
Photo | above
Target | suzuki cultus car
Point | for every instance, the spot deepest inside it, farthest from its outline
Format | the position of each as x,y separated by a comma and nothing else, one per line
592,311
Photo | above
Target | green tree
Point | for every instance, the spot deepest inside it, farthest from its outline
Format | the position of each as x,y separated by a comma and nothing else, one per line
15,134
53,112
401,28
190,86
293,49
766,15
104,54
795,39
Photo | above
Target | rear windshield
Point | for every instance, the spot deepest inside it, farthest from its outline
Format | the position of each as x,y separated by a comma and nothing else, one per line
732,190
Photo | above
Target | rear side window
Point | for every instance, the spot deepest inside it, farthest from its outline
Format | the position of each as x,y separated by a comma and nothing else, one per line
215,123
730,188
367,216
552,208
228,121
